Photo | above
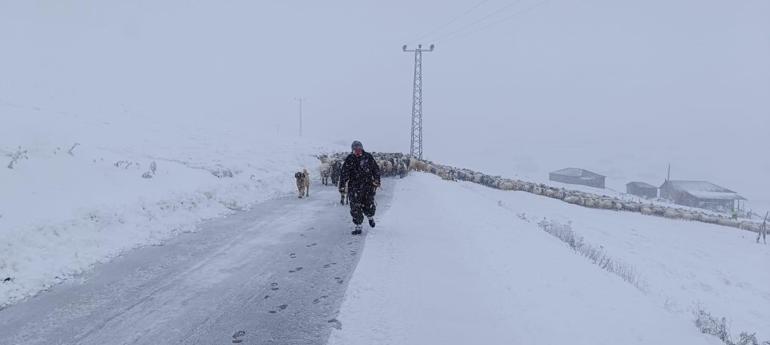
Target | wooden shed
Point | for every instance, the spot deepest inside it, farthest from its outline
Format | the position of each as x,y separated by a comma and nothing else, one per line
642,189
577,176
700,194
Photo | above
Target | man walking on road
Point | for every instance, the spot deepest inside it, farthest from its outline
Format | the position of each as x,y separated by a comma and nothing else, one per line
362,175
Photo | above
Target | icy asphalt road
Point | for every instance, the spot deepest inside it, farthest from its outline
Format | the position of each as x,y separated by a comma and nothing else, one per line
275,274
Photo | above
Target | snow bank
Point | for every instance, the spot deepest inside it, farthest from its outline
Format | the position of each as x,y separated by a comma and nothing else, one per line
448,265
685,266
124,184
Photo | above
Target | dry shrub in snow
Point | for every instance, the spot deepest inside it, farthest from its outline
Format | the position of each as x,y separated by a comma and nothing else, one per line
222,173
708,324
151,172
16,156
125,164
596,255
71,151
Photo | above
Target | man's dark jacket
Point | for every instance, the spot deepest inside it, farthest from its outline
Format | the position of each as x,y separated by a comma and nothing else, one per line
360,173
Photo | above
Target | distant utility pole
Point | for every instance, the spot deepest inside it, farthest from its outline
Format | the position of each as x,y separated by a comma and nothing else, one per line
299,100
415,149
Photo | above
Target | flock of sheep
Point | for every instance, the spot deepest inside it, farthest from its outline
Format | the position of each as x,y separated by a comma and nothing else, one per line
392,164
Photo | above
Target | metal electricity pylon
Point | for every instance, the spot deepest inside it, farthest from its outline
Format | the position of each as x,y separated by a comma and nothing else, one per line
415,149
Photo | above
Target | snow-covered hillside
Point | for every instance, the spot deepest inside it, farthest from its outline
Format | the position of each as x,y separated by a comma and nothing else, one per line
125,183
459,263
126,124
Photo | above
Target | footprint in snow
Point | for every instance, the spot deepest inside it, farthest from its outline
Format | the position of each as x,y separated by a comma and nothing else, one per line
339,280
238,335
280,308
319,299
296,269
311,245
335,323
274,286
293,256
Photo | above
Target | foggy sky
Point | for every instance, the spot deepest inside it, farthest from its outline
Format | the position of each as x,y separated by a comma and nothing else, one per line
621,87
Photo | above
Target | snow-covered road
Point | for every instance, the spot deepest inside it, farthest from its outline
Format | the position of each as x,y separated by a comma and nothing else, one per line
278,272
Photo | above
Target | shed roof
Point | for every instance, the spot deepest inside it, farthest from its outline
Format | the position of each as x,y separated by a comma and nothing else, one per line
703,190
576,172
716,195
640,184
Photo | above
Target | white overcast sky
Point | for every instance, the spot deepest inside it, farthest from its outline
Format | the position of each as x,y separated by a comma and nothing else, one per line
513,86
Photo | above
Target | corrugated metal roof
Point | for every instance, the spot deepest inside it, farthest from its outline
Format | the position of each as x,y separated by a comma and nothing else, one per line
576,172
640,184
694,186
704,190
716,195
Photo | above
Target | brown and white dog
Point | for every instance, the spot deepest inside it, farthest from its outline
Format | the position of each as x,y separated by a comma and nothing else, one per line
303,183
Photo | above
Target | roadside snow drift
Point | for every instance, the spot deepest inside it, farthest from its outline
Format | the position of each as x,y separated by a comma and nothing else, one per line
81,191
458,263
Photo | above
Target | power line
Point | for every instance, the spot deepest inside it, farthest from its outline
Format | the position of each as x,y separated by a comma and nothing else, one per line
494,23
450,22
476,22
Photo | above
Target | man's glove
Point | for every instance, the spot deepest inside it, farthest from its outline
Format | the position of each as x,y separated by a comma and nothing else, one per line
376,183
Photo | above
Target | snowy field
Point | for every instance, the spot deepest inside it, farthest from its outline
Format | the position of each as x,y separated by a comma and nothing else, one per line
125,184
684,265
458,263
